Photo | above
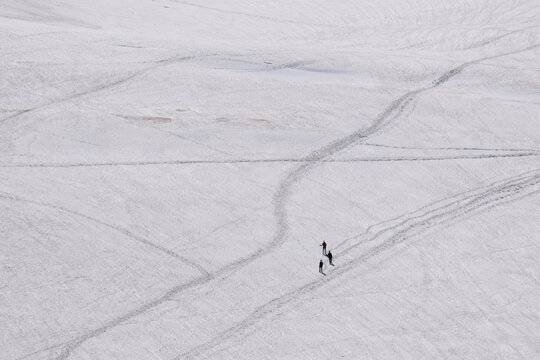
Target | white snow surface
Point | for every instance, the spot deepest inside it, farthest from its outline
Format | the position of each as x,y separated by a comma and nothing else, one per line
168,170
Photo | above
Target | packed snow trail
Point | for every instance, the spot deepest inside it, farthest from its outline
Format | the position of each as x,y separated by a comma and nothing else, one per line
280,199
495,155
316,157
482,199
141,191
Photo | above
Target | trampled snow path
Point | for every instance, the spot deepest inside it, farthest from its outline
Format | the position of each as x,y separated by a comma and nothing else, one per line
390,113
290,160
157,203
280,200
474,201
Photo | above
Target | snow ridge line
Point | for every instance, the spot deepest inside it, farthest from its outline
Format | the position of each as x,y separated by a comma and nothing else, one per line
510,190
123,231
279,205
514,153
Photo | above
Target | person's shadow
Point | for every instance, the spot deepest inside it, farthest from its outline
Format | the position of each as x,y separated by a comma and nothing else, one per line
321,265
329,259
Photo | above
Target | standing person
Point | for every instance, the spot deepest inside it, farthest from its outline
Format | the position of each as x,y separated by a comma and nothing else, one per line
330,257
320,267
323,248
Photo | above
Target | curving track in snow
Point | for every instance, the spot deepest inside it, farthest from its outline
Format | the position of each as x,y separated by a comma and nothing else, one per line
126,232
392,112
281,196
410,225
51,117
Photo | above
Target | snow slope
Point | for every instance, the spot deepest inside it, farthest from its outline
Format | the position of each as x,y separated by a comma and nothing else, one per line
168,170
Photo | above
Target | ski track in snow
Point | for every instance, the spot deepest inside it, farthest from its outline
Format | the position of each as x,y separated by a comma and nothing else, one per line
481,199
105,86
446,202
312,160
279,160
283,192
129,234
449,148
498,37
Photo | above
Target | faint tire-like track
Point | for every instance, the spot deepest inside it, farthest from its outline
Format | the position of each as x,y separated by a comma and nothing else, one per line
280,199
493,39
278,160
463,148
481,199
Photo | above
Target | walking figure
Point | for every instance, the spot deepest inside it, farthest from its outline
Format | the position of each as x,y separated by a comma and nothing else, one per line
330,257
323,247
320,267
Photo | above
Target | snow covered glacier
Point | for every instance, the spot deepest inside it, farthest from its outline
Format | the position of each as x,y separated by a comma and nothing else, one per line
168,170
